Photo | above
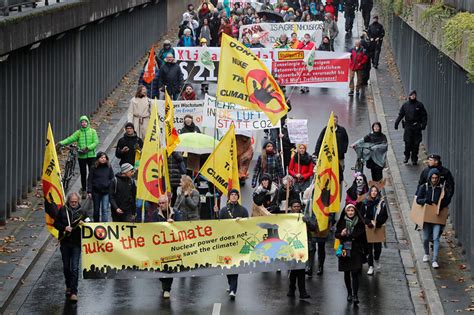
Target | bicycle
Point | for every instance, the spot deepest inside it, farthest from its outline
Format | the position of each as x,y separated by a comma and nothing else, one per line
70,166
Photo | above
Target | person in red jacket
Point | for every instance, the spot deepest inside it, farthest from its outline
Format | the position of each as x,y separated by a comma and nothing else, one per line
356,67
330,8
301,168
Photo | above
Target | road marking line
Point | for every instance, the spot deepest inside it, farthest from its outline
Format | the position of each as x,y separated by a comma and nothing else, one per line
216,310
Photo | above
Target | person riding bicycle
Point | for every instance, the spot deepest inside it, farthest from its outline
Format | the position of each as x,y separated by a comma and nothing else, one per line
87,142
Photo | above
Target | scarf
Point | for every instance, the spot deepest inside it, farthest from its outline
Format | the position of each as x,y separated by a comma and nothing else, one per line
305,159
351,223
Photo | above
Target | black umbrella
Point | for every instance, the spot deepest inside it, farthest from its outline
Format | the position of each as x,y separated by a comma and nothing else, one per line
271,16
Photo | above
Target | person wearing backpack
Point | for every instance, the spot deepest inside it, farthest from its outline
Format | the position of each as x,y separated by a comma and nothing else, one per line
122,192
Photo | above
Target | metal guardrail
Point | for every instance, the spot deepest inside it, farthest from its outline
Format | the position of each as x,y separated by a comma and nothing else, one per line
59,80
462,5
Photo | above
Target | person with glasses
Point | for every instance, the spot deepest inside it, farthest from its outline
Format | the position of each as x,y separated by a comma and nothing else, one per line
122,192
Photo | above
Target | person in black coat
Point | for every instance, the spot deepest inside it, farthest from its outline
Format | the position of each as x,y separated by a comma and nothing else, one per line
67,222
128,145
350,230
415,120
365,8
445,176
342,142
98,183
233,210
325,44
176,169
189,126
350,6
375,137
375,216
122,192
171,76
376,34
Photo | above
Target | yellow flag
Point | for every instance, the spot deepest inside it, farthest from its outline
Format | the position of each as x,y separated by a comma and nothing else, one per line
243,79
326,198
221,167
51,178
172,138
150,181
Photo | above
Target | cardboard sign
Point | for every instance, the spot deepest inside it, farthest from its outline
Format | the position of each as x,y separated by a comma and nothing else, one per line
428,213
375,235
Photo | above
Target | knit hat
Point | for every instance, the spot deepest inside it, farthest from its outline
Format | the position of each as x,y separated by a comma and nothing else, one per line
265,176
129,125
435,157
350,206
233,191
166,42
126,167
266,142
412,92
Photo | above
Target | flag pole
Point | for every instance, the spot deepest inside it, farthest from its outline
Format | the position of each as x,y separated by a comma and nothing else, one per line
281,150
214,160
143,211
287,193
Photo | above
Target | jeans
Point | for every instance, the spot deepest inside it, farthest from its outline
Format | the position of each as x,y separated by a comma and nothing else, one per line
431,231
232,280
71,255
101,201
375,250
83,163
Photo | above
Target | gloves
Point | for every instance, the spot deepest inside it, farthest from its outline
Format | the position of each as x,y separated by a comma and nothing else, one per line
396,126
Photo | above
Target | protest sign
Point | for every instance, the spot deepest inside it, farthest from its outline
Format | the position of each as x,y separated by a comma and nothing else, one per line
270,32
329,69
195,72
221,115
181,109
298,130
193,248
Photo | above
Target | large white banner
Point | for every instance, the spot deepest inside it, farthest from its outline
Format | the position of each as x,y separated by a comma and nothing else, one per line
192,53
222,115
270,32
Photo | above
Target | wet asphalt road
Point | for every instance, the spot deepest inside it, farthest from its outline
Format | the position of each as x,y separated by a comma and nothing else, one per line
264,293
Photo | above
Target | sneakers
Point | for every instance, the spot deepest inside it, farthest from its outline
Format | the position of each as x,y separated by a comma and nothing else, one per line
378,265
435,265
357,92
68,292
302,90
166,294
370,271
73,298
232,295
351,93
320,271
304,296
405,161
426,258
349,297
355,300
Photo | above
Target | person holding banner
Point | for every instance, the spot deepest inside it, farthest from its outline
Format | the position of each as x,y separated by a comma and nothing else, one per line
268,162
301,168
350,230
265,194
188,199
164,213
233,210
67,222
297,274
375,215
430,193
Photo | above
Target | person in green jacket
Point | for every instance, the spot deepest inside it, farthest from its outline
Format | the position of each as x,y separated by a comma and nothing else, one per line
87,142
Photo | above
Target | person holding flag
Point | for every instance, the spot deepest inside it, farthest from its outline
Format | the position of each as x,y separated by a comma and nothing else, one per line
172,138
326,198
67,222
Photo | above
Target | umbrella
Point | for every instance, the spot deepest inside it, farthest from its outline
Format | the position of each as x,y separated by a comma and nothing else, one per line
197,143
271,16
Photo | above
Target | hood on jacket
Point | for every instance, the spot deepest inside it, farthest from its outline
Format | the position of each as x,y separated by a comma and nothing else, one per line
265,177
432,172
84,117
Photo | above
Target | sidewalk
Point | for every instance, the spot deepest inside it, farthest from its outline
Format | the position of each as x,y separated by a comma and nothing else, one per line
24,238
450,288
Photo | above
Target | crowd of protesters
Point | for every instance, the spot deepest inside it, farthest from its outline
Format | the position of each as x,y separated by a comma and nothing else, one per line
283,176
